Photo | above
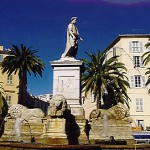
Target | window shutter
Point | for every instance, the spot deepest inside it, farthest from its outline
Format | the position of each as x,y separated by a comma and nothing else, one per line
114,51
143,81
141,62
141,104
134,64
137,104
132,82
130,47
141,47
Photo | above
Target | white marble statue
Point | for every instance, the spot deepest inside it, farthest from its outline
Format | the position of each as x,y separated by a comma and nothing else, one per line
72,39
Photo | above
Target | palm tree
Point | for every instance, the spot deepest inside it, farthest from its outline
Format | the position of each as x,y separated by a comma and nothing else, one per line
105,77
1,97
146,60
20,61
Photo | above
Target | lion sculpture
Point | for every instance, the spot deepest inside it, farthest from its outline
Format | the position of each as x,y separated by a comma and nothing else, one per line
22,112
118,113
58,105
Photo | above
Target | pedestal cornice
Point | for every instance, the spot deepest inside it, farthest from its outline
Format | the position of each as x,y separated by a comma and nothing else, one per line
66,62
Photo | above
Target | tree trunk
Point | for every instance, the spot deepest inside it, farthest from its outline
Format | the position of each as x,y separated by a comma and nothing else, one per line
99,98
99,103
22,88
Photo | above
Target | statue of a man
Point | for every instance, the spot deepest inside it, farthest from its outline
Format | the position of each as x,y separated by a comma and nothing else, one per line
72,39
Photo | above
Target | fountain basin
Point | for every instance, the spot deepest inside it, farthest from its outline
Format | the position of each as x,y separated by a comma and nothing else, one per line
36,146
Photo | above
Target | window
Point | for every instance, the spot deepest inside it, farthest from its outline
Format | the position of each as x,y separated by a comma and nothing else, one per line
9,79
139,104
8,100
135,46
140,123
137,61
137,81
1,58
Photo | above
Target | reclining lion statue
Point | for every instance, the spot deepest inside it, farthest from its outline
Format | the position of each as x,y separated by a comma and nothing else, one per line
116,114
22,112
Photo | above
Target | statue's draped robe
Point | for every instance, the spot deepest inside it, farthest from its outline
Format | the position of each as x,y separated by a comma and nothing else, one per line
71,44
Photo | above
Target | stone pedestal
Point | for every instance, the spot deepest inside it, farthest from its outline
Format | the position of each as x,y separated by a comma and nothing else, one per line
59,131
54,127
67,81
28,130
64,131
83,137
119,132
113,122
54,131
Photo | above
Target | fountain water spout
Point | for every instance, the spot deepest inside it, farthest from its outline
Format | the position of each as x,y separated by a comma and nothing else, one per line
17,128
105,124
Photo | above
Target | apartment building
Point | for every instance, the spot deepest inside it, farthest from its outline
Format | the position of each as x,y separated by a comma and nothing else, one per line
9,83
130,48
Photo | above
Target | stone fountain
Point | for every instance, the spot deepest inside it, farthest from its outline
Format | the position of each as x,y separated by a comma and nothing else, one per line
114,122
58,127
22,124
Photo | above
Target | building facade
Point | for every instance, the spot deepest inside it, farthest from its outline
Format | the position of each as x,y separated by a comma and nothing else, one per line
130,48
9,83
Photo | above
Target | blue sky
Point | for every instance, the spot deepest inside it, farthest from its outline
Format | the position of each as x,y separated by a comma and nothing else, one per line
42,25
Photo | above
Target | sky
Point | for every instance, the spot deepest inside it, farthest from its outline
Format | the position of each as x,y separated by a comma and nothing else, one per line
42,24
